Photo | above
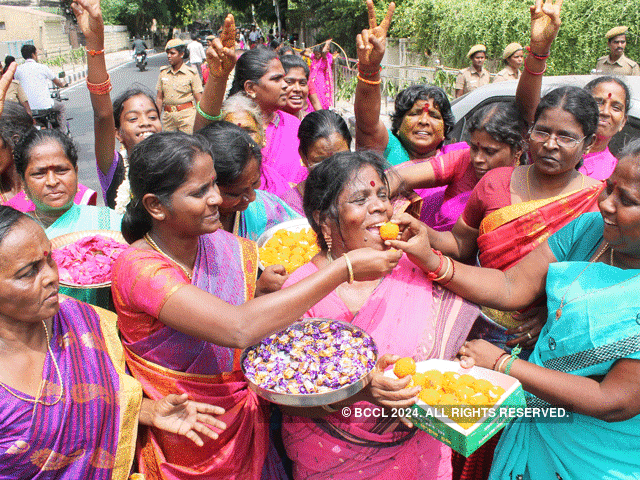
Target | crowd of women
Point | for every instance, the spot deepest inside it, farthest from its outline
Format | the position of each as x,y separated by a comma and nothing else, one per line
527,234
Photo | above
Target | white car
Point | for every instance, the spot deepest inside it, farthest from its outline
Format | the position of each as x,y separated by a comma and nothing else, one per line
464,107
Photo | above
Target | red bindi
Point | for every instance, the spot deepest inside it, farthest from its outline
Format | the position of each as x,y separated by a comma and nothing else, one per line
46,254
426,108
609,94
373,184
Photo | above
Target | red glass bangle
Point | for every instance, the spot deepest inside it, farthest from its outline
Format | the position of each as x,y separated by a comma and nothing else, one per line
436,273
534,73
536,55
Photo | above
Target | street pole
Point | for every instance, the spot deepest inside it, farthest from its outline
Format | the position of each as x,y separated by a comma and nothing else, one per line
276,4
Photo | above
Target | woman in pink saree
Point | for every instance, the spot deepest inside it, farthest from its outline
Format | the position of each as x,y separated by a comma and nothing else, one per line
321,73
184,296
407,315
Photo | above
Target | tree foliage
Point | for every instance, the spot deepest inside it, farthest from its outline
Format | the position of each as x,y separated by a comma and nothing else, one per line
449,27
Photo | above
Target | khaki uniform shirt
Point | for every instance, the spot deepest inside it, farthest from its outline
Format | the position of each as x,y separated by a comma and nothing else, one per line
468,79
622,66
15,93
178,88
506,74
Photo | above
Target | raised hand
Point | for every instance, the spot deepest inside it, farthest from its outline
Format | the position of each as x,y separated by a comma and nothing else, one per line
89,16
221,55
371,42
545,23
5,82
414,241
178,414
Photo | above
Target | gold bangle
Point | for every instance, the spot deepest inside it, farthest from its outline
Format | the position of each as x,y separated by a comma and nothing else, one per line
349,267
502,362
369,82
446,272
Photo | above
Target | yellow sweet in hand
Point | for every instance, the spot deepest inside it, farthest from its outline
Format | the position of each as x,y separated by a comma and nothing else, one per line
405,366
389,231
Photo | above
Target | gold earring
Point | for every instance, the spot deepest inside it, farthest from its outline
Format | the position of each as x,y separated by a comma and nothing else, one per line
161,216
328,242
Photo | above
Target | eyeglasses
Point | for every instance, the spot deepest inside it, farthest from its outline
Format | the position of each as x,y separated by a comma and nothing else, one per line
562,140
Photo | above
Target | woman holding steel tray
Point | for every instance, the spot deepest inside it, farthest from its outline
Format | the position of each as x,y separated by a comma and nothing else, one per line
184,297
346,202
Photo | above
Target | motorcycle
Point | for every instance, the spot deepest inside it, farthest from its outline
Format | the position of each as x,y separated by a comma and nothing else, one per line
141,61
49,118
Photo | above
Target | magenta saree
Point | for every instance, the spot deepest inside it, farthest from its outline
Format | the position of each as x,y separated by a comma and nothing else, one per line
91,432
281,151
433,324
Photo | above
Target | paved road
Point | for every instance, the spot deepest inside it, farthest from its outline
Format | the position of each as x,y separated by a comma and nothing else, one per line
79,110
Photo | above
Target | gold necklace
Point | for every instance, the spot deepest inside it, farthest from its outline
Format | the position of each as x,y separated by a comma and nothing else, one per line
55,365
604,247
155,246
529,185
4,197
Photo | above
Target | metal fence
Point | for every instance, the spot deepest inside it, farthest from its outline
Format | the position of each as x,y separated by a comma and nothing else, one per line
393,79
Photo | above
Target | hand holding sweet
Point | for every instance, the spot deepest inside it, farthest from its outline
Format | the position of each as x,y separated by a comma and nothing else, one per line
271,280
545,23
371,42
89,16
178,414
480,353
414,241
390,392
221,55
370,264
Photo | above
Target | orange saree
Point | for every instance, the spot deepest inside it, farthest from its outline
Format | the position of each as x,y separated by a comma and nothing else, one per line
508,234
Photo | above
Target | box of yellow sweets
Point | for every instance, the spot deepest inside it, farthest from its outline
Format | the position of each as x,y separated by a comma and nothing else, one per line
462,408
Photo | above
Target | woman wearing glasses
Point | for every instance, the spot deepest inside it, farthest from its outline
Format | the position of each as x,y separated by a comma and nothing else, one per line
512,210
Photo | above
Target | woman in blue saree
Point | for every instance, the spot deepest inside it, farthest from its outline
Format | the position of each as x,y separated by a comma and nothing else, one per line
587,357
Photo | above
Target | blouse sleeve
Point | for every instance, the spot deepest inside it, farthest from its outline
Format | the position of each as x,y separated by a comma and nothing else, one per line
448,166
490,193
143,281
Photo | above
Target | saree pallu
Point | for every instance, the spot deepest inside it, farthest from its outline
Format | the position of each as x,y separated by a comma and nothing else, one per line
408,316
168,361
599,325
321,75
91,432
281,148
509,233
264,212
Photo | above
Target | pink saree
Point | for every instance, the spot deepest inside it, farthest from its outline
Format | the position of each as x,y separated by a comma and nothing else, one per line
91,432
167,361
321,75
281,150
434,324
598,165
84,196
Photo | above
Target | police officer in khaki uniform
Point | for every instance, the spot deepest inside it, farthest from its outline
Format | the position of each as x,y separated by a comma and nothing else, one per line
179,88
476,75
513,56
616,63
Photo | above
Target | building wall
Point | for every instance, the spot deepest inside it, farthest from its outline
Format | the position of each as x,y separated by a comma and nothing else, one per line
45,30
